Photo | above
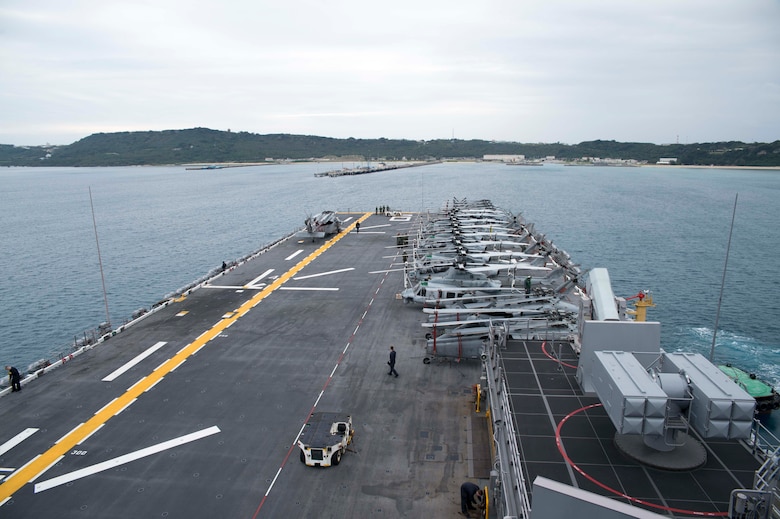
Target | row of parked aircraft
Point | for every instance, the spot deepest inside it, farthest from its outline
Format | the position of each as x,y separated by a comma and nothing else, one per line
473,266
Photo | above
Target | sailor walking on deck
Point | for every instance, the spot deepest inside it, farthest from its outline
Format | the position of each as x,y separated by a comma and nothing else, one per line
357,227
13,376
391,362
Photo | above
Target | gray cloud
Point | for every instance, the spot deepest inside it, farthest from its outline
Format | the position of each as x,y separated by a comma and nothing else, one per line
528,71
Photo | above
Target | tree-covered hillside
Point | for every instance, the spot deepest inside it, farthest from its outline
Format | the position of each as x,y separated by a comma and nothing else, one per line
202,145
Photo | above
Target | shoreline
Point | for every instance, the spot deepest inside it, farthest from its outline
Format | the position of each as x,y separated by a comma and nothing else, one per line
195,166
222,165
701,166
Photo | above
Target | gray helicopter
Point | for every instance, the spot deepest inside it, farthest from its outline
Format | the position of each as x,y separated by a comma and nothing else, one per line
322,224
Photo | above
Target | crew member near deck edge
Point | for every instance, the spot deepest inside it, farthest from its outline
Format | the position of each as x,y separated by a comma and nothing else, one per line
391,362
13,375
470,494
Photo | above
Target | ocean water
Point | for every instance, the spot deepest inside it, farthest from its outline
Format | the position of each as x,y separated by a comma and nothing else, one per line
159,228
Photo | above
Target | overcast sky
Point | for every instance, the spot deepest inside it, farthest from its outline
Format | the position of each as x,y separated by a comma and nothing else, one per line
513,70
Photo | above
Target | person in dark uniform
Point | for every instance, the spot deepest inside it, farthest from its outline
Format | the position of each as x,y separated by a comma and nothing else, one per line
391,362
470,494
357,227
13,375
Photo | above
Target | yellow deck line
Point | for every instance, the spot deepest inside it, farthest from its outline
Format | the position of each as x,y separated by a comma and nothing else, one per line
40,464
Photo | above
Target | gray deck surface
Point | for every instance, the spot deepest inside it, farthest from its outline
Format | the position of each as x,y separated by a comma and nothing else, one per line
249,390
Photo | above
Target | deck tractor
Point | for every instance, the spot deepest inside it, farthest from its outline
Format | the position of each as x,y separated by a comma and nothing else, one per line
324,439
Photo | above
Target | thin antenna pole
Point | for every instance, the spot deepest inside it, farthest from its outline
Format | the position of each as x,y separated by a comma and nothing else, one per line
723,280
100,260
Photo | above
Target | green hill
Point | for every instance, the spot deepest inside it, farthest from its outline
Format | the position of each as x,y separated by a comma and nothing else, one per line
202,145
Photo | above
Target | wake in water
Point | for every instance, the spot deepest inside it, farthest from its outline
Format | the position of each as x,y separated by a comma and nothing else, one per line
746,353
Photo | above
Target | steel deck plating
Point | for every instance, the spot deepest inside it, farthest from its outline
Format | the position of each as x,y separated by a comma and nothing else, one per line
566,436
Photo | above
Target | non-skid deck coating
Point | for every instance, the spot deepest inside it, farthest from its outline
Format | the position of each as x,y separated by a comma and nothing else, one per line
204,424
546,398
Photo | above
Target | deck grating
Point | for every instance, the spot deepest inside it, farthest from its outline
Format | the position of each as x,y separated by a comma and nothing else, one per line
542,393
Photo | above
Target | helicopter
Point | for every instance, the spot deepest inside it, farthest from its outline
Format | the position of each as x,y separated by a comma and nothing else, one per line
322,224
441,290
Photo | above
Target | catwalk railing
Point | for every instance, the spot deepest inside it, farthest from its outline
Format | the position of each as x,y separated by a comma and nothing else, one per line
511,494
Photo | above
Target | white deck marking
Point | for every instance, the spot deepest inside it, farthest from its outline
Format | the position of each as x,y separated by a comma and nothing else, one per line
106,406
238,289
305,288
90,434
177,365
41,473
150,387
121,460
258,278
273,482
125,407
375,226
323,274
5,500
135,361
291,256
16,440
137,382
67,433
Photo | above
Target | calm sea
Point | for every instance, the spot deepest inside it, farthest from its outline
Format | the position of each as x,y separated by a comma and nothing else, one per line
659,229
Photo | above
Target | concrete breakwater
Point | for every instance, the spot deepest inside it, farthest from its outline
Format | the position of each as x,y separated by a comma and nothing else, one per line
372,169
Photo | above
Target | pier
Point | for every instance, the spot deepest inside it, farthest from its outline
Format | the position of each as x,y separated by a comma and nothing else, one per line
372,169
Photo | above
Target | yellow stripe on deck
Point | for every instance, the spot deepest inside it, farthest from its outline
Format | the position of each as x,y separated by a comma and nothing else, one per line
43,462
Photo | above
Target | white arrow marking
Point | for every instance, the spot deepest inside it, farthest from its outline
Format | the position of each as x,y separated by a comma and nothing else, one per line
323,274
133,362
258,278
306,288
127,458
16,440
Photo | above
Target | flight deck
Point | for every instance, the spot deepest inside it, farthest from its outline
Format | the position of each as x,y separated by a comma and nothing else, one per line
194,411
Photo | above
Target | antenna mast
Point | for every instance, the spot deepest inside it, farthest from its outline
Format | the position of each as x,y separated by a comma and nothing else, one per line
100,260
723,280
